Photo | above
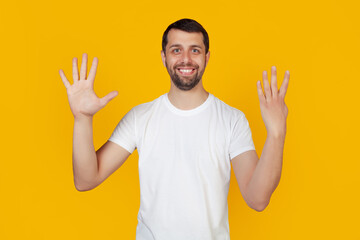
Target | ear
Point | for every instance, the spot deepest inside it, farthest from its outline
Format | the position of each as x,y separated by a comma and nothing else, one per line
163,57
207,56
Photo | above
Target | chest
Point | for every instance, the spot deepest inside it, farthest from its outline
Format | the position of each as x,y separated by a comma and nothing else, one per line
184,144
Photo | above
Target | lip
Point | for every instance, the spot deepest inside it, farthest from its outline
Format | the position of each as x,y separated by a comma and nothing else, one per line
186,73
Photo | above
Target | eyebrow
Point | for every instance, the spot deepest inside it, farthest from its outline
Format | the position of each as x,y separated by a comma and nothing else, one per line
179,45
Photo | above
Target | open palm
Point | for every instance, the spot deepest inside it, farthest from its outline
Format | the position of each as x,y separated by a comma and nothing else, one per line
272,104
82,98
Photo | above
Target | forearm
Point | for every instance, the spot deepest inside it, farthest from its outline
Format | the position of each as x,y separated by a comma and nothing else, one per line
267,173
85,164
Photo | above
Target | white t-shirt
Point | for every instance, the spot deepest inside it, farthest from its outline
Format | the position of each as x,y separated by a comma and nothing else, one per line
184,166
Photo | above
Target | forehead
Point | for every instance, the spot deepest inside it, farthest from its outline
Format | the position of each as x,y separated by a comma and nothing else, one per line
179,37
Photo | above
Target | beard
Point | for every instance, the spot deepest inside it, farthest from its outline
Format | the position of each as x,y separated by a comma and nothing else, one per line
185,83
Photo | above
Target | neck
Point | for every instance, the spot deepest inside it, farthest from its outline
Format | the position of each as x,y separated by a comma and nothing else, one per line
187,100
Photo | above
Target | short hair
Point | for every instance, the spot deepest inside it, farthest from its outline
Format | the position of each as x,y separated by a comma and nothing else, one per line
187,25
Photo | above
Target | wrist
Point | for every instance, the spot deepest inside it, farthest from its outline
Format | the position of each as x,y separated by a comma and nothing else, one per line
82,117
277,135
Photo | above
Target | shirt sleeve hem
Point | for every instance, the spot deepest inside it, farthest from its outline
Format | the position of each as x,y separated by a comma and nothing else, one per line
122,144
241,150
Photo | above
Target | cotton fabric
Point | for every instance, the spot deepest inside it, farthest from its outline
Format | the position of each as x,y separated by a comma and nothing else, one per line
184,166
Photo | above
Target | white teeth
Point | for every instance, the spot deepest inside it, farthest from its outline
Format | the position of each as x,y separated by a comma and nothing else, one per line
186,70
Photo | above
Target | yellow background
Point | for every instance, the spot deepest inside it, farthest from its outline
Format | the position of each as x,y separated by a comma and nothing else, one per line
317,41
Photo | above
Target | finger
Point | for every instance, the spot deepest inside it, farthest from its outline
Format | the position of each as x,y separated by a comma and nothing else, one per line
284,85
274,87
83,67
75,70
260,92
64,79
93,68
108,97
266,86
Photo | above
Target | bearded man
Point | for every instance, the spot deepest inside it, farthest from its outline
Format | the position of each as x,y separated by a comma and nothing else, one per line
187,140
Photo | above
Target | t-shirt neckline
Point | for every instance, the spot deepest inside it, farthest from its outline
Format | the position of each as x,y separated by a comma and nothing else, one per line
187,112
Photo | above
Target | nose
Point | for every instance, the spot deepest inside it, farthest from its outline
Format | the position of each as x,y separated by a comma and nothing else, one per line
186,57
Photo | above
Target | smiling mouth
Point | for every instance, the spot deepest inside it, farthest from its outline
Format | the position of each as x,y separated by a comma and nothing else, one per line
186,71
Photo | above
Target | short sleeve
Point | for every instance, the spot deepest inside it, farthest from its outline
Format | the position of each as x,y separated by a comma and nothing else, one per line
124,133
241,137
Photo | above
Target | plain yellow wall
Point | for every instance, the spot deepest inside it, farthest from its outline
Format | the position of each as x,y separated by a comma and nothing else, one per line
317,41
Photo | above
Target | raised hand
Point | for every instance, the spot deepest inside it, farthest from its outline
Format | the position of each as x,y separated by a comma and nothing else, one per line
272,105
82,98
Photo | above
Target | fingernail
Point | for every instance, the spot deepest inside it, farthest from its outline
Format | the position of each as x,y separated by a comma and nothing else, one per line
273,68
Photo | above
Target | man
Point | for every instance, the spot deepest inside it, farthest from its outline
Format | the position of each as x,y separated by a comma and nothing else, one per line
186,140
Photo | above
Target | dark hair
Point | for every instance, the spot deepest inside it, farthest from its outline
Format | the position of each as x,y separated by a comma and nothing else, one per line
187,25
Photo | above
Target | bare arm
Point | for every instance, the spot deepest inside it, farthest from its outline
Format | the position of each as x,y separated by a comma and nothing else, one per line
85,165
90,168
258,179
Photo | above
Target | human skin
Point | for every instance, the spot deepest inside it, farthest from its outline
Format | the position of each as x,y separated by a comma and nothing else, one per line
258,178
84,104
180,50
185,63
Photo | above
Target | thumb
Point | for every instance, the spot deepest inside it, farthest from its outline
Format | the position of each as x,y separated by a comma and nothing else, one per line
107,98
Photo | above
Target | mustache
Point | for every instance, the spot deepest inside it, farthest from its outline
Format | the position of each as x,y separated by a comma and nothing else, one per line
186,65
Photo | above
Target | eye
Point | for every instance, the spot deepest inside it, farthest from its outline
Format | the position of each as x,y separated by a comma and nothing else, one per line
195,50
176,50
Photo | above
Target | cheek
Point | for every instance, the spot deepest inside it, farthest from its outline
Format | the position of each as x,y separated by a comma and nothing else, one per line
170,66
171,62
201,60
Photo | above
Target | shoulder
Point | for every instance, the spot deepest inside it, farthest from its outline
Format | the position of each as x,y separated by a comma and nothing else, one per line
228,110
143,108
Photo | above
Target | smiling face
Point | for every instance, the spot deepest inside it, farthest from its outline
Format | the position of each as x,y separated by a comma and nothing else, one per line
185,58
